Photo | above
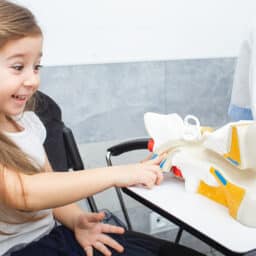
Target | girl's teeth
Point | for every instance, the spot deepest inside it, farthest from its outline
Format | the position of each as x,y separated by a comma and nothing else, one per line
19,97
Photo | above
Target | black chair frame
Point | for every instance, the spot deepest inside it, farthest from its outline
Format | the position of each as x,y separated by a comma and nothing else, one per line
74,160
125,147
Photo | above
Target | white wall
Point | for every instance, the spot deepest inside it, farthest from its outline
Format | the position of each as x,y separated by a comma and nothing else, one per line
101,31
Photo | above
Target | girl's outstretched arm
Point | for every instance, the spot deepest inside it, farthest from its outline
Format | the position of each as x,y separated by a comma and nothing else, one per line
55,189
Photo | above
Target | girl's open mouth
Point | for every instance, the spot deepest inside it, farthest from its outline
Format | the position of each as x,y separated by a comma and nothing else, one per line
19,97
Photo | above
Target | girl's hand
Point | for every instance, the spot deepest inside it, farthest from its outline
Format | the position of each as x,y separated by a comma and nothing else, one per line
90,233
147,174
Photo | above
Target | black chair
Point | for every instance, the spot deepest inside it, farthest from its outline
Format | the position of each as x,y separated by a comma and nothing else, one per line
125,147
60,144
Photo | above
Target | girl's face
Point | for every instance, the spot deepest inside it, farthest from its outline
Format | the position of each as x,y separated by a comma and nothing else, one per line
19,73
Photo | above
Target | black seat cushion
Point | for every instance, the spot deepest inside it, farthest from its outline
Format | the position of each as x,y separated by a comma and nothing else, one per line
50,114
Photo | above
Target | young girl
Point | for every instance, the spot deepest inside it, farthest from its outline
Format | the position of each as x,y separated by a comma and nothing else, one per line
32,197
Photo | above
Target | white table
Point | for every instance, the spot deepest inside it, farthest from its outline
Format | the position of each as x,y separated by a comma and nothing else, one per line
198,215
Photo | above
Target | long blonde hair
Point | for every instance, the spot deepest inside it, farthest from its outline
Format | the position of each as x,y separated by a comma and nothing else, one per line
15,22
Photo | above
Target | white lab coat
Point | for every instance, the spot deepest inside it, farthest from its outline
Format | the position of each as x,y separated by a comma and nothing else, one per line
243,99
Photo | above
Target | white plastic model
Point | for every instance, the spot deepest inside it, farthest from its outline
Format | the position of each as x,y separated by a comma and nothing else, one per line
220,164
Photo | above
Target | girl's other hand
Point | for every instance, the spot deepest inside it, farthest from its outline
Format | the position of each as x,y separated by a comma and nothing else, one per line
91,233
147,173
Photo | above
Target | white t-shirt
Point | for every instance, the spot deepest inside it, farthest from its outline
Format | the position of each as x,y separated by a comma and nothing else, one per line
30,140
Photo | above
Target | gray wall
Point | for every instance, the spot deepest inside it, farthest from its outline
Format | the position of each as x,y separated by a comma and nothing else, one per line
106,102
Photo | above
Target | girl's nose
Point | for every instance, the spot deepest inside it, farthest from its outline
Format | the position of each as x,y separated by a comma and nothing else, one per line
32,80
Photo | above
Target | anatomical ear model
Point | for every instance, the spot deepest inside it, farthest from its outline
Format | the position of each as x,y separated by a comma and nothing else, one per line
220,164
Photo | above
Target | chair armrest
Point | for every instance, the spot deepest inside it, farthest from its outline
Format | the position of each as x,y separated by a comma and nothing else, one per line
130,145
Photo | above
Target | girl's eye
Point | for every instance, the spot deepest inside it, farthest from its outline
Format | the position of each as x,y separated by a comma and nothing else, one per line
38,67
18,67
